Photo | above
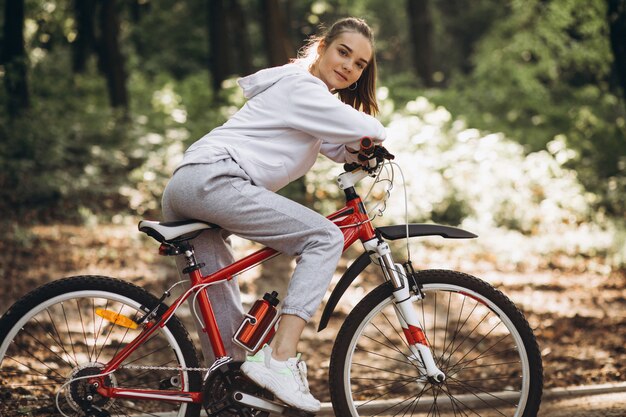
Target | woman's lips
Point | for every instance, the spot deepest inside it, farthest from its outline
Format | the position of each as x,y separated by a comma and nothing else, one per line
341,76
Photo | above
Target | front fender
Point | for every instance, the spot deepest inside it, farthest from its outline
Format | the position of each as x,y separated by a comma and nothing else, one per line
391,233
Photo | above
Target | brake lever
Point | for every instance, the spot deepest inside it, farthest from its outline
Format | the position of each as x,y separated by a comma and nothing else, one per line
382,153
371,152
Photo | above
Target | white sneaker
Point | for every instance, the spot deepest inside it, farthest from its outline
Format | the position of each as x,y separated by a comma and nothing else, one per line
286,380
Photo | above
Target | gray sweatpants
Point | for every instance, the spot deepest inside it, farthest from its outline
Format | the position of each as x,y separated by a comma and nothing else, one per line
222,193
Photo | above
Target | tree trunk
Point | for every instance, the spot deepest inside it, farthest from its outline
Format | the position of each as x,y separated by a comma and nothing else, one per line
421,28
239,27
111,58
276,33
14,58
138,9
617,25
218,42
463,35
84,44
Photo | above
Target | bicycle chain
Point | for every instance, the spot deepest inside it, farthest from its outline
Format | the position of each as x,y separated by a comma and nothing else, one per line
163,368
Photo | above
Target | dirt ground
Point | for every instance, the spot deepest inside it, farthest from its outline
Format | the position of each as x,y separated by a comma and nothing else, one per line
603,405
606,405
578,313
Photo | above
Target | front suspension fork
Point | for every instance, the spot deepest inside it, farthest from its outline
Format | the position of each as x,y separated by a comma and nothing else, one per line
405,311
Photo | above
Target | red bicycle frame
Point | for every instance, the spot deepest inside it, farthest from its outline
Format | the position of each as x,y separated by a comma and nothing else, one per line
354,224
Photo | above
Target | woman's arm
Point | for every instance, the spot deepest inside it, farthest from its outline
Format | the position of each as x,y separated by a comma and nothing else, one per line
311,108
339,153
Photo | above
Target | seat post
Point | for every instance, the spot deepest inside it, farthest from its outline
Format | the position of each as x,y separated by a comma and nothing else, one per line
190,257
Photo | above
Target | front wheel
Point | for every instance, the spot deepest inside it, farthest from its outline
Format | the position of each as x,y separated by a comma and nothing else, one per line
479,339
53,339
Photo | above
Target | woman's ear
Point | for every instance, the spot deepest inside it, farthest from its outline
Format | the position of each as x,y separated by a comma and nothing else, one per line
321,47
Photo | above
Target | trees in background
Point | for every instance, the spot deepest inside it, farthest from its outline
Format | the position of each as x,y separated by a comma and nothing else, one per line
110,54
84,42
218,32
545,71
13,58
617,25
96,27
535,70
421,39
276,33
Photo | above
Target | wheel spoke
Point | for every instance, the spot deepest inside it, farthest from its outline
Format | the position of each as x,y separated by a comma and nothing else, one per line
471,349
69,332
474,390
456,401
58,340
82,323
456,349
395,330
45,365
42,345
372,387
385,356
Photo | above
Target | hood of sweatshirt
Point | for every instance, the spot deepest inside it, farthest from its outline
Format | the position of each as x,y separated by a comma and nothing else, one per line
260,81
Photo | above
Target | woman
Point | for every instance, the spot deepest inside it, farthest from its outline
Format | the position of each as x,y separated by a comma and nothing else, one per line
229,177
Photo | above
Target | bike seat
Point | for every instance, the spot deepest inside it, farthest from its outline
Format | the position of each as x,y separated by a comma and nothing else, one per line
174,232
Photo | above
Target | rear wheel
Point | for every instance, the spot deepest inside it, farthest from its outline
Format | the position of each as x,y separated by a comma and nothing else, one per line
55,337
479,339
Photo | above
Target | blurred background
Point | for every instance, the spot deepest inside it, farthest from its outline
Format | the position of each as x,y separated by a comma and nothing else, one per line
508,118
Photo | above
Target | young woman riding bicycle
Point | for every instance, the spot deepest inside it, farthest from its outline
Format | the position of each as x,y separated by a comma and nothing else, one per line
230,176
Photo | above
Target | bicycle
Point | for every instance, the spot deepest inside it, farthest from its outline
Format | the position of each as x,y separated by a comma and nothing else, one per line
427,341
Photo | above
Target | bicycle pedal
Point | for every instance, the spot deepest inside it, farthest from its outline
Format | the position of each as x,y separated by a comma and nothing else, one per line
268,405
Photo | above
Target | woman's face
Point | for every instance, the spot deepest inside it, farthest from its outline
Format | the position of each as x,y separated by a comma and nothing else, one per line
341,63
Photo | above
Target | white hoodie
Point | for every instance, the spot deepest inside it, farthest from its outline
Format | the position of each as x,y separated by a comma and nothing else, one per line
289,118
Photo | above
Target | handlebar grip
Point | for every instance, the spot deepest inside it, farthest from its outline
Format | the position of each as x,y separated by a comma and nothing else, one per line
366,149
367,145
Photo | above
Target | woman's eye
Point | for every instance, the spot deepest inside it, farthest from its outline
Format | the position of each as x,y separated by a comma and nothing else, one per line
343,52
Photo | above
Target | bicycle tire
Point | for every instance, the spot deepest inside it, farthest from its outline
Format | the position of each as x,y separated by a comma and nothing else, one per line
488,353
53,335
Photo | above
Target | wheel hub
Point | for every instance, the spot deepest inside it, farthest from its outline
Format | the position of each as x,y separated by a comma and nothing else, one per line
81,395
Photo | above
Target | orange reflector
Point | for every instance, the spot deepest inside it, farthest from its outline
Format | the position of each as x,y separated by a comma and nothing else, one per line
415,335
116,318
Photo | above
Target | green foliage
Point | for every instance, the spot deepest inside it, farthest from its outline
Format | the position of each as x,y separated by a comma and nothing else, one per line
71,156
161,43
458,26
60,148
486,183
542,73
171,115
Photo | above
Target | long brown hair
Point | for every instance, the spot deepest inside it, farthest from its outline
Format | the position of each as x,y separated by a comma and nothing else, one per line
363,97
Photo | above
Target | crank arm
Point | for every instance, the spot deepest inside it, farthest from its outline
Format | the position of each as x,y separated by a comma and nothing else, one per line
269,406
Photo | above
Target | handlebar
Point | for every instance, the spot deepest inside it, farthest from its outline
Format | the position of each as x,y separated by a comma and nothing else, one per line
370,156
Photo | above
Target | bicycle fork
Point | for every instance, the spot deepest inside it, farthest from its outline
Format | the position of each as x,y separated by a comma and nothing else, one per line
407,316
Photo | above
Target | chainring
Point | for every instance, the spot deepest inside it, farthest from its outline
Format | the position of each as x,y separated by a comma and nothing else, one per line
218,389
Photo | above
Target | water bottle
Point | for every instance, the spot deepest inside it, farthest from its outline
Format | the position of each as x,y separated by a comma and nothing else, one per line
258,325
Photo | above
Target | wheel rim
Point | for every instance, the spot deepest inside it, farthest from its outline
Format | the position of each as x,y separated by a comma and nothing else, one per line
474,343
62,335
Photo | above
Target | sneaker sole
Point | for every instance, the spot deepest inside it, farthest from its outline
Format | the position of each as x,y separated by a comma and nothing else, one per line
256,373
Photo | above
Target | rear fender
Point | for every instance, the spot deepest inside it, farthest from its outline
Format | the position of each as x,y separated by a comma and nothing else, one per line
390,233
